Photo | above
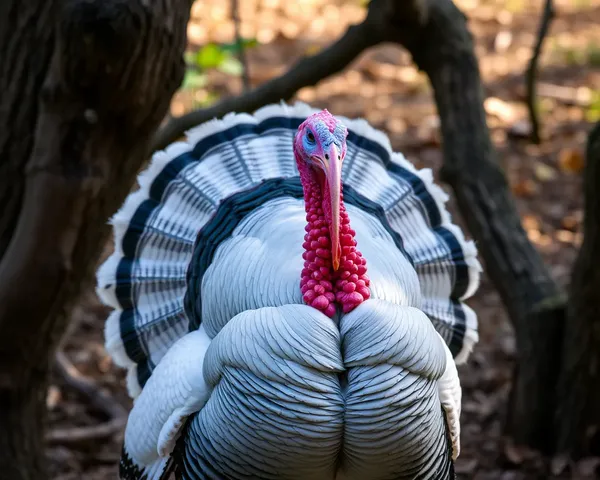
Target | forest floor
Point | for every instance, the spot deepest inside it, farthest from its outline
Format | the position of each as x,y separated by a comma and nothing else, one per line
384,87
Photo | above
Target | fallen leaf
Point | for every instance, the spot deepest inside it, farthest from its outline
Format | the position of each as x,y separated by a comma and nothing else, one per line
524,188
570,160
571,222
503,41
543,172
565,236
104,363
530,222
534,235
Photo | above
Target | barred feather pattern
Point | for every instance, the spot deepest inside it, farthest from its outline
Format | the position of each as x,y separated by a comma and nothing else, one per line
279,411
145,279
181,262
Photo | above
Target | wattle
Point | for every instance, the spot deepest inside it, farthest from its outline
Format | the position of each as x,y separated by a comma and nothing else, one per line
321,286
352,284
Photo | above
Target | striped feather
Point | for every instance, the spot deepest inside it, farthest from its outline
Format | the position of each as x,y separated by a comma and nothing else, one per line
195,189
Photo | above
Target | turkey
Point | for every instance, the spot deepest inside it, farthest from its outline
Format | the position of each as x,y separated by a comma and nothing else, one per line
288,303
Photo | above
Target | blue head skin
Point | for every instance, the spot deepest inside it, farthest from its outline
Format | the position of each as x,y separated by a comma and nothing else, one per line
320,148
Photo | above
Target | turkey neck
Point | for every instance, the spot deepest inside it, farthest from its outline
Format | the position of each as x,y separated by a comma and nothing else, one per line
323,287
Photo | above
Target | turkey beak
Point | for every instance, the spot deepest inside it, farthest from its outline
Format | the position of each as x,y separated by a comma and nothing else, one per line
334,180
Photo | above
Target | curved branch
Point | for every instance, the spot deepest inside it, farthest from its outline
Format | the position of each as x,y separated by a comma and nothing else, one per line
96,395
305,72
77,435
117,415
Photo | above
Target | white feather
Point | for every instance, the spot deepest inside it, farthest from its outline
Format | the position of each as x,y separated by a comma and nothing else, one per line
393,424
193,195
175,390
276,410
471,336
260,264
450,395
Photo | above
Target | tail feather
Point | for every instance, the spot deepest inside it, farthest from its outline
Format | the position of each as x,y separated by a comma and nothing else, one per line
162,469
184,187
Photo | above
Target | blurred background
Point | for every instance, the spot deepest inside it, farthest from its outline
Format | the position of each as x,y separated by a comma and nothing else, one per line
384,87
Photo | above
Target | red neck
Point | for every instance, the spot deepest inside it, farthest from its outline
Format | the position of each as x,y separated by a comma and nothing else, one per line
322,287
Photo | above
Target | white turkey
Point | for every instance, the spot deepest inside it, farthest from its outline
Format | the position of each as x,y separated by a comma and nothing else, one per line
287,297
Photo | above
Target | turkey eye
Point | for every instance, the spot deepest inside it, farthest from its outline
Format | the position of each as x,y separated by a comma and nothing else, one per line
310,137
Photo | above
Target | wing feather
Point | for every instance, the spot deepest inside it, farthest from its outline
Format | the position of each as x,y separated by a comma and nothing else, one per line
175,390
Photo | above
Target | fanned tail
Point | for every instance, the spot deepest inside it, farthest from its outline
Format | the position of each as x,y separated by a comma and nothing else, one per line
414,209
144,281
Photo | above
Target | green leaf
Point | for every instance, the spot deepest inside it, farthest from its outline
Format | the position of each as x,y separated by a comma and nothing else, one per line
592,113
210,55
193,79
231,66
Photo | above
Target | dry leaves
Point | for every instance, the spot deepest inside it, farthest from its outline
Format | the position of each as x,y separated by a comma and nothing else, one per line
525,187
571,160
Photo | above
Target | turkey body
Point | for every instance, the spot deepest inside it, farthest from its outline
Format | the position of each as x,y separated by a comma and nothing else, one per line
234,376
303,427
260,264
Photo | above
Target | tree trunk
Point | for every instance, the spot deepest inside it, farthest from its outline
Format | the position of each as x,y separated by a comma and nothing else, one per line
106,71
578,413
26,44
441,45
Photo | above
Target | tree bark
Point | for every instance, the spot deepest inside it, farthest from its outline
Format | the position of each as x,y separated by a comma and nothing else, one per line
26,43
441,45
578,414
73,156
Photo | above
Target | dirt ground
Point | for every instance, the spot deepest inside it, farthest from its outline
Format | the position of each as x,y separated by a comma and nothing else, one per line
386,89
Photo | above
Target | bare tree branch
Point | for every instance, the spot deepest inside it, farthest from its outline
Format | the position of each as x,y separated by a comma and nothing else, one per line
235,14
306,72
77,435
85,386
531,73
116,413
